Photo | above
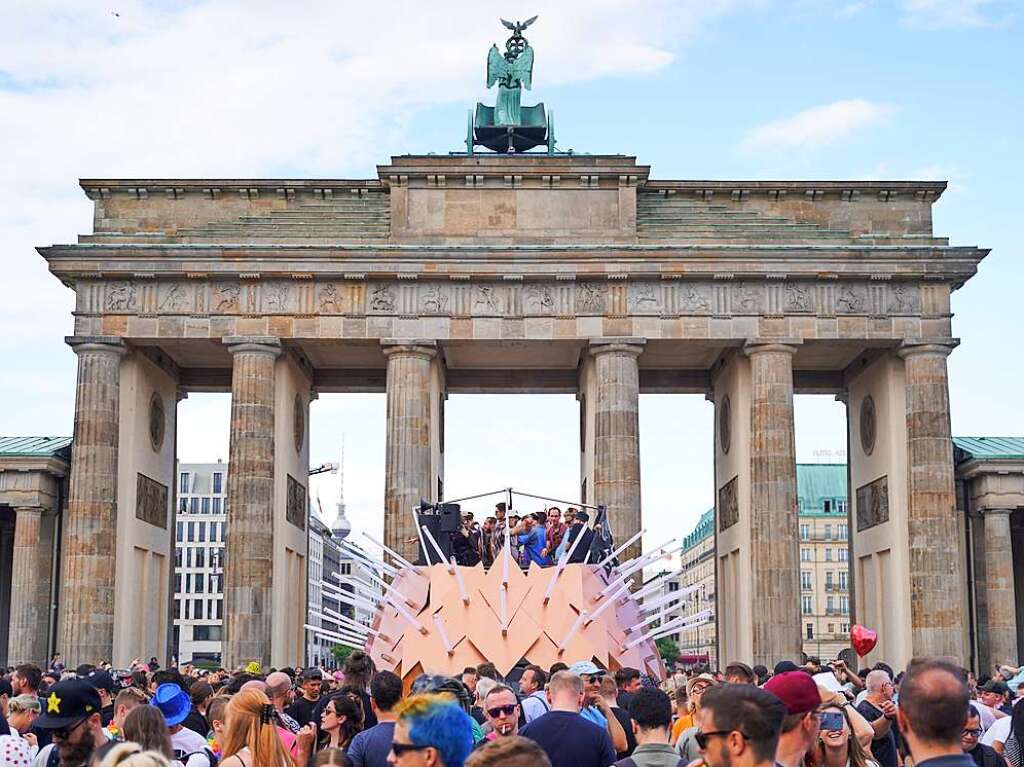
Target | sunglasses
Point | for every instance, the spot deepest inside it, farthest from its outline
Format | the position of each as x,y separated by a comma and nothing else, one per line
401,749
63,733
702,738
497,711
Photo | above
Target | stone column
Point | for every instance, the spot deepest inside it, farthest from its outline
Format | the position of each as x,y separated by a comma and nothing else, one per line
407,476
617,435
248,548
27,636
936,595
87,627
1001,598
774,527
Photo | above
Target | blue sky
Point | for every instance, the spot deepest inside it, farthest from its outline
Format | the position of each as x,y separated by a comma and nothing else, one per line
712,89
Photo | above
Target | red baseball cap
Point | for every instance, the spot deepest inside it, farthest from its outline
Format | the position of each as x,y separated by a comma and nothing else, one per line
796,690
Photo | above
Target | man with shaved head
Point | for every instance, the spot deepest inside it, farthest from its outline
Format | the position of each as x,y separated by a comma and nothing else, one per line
933,711
279,688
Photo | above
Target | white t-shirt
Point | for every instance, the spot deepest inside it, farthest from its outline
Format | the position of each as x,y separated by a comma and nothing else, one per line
998,732
186,741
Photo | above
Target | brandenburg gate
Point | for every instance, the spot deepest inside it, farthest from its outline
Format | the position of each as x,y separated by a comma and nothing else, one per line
509,273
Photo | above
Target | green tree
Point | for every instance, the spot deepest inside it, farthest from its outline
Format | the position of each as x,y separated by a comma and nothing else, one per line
669,650
340,652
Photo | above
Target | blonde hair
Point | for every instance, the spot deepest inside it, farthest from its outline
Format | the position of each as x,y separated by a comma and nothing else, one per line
23,703
248,726
132,755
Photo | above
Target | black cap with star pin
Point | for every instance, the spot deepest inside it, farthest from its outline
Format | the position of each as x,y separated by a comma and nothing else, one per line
67,703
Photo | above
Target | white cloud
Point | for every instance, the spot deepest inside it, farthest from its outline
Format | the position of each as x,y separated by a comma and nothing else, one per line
946,14
817,126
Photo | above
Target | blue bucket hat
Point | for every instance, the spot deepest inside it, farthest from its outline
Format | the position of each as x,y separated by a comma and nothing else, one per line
173,702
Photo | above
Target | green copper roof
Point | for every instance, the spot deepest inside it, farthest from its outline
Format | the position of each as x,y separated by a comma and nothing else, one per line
815,484
39,447
966,448
705,527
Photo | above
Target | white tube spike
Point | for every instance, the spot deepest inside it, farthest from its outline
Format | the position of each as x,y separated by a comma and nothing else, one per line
656,583
463,594
361,555
394,554
404,612
623,590
677,629
675,596
503,602
554,578
440,554
506,555
448,646
572,632
621,548
613,584
419,532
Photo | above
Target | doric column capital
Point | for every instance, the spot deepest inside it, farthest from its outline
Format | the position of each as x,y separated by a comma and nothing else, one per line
617,345
111,344
766,345
258,344
26,511
940,346
409,347
995,512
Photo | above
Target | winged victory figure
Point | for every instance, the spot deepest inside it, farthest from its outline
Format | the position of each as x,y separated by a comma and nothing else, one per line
512,71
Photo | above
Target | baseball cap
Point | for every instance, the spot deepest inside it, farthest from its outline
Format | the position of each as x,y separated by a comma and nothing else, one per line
996,686
785,666
101,680
312,673
581,667
796,690
69,702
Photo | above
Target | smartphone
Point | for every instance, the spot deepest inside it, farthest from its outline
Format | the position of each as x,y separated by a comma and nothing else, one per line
832,721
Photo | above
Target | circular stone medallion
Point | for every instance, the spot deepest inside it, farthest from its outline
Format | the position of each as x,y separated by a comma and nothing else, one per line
868,426
299,423
157,422
725,424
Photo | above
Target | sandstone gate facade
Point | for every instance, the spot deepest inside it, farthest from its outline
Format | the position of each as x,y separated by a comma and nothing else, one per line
496,273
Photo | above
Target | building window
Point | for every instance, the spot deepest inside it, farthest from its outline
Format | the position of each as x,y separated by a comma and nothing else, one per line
844,555
805,555
805,604
828,580
197,609
831,628
805,580
843,575
830,606
190,531
200,557
177,583
177,610
206,633
188,609
177,556
216,505
182,505
193,505
200,583
202,531
843,531
206,505
805,532
810,631
673,586
220,610
846,628
842,507
844,605
828,506
179,529
828,531
218,482
183,482
828,555
346,568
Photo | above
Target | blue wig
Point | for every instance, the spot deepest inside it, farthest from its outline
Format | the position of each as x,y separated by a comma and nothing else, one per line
438,721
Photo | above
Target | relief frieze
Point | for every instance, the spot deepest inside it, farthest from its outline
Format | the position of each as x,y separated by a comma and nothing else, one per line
530,298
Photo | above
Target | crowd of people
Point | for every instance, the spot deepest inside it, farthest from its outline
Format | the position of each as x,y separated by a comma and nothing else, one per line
933,713
541,537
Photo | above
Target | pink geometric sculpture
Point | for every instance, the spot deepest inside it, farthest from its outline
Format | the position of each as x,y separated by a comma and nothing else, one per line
505,623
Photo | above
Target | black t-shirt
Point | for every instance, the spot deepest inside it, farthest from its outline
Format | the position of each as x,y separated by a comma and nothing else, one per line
569,740
884,748
627,724
302,711
5,729
196,722
986,756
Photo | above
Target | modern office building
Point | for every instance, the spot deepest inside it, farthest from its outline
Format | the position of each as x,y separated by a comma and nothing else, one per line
198,609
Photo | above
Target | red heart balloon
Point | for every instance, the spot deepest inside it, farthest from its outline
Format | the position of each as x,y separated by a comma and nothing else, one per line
864,640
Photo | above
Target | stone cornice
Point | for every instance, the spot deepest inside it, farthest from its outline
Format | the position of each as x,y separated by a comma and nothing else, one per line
487,169
850,191
142,188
